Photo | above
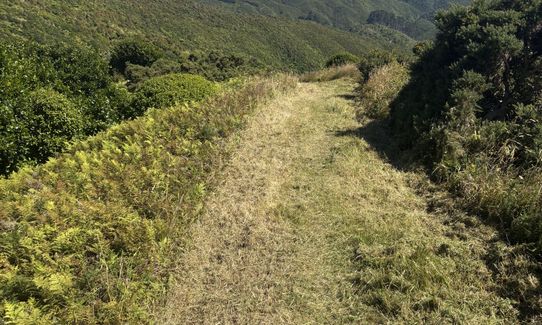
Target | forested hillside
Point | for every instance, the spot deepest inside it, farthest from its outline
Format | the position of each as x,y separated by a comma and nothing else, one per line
178,26
412,17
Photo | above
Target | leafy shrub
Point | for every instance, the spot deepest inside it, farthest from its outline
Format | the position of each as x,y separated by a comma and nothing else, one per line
90,236
212,65
473,111
380,90
171,89
48,122
135,52
341,59
48,95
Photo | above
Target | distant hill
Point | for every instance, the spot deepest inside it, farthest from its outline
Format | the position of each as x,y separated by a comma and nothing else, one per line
180,25
412,17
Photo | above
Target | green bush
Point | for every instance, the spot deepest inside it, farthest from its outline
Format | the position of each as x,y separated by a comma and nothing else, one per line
341,59
171,89
49,94
43,125
472,110
135,52
91,236
49,121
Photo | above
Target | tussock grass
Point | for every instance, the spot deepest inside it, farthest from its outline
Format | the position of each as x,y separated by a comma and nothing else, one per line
382,87
89,236
333,73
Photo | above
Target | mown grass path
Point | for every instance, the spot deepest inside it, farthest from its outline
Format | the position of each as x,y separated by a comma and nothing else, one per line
310,225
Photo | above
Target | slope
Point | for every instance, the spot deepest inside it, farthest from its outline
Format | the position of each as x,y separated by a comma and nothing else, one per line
347,14
182,25
311,226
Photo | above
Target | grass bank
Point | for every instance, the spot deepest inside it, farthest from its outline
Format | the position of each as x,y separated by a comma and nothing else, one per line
89,236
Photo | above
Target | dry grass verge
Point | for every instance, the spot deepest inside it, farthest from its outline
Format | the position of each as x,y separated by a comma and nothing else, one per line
333,73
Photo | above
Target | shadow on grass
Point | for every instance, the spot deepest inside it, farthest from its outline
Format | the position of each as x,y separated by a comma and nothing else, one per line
377,134
509,264
349,97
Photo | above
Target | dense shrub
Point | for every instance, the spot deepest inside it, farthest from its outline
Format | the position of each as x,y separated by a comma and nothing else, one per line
135,52
473,110
48,121
50,94
171,89
212,65
380,90
341,59
91,236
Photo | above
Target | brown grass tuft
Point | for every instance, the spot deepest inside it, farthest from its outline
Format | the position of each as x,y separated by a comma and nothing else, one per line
344,71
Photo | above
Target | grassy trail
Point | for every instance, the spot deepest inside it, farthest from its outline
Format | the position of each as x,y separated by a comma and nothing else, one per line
310,225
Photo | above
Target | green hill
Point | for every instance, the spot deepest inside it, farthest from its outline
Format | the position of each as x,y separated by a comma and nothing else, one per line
178,26
412,17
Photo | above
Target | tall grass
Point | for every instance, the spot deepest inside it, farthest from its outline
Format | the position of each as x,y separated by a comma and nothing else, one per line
333,73
89,236
382,87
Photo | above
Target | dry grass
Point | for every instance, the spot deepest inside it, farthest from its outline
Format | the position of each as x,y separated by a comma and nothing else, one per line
383,86
344,71
311,226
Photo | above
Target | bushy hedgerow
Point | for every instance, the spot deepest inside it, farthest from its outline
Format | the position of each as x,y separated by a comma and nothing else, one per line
171,89
91,236
213,65
341,59
473,111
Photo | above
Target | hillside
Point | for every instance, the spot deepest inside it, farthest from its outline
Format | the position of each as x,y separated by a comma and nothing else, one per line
412,17
177,26
270,162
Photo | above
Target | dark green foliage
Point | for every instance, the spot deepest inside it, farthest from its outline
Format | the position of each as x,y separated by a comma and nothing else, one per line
91,236
213,65
47,121
49,95
168,90
473,109
341,59
135,52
